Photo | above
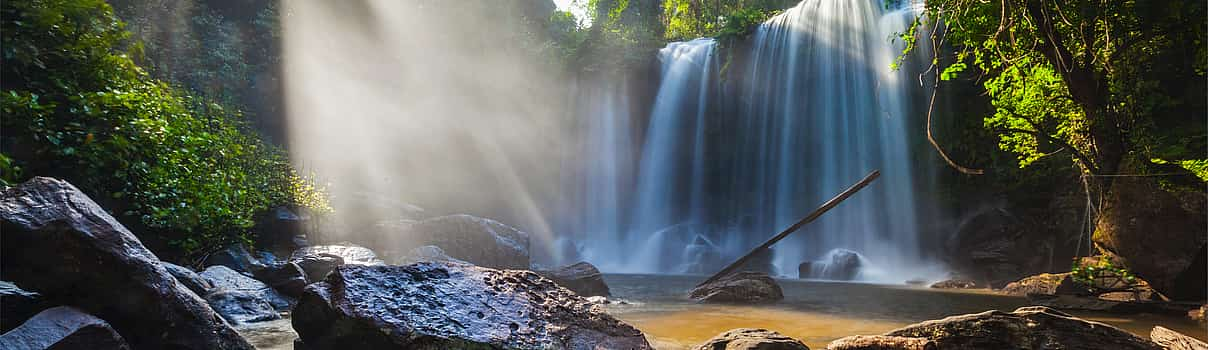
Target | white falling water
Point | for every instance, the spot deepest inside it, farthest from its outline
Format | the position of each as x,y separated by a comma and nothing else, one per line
813,107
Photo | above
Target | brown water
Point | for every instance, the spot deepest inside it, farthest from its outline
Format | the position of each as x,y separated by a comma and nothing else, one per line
819,312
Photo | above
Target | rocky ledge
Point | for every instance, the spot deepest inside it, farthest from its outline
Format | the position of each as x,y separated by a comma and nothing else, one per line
740,287
436,305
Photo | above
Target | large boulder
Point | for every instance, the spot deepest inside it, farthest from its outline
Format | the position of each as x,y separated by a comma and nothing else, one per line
751,339
349,253
880,342
61,244
425,254
1046,284
838,265
702,257
582,278
18,305
479,241
224,278
1157,235
436,305
281,229
317,266
63,328
188,278
739,287
1172,340
287,278
995,247
1032,327
240,307
236,257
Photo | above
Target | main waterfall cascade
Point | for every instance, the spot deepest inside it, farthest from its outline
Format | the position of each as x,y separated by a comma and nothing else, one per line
731,156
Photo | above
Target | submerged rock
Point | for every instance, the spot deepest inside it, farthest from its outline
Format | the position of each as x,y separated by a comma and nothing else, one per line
751,339
740,287
1032,327
18,305
188,278
881,342
437,305
65,328
61,244
582,278
240,307
224,278
479,241
349,254
1172,340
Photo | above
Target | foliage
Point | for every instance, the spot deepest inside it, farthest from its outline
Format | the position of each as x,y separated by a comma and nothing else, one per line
184,167
688,19
1099,82
1102,275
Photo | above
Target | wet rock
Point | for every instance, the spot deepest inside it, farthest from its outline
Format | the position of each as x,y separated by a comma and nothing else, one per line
582,278
188,278
740,287
287,278
479,241
63,328
702,257
996,247
426,253
1099,303
1172,340
281,229
805,269
61,244
236,257
224,278
240,307
1158,235
839,265
751,339
761,262
348,252
18,305
317,266
1032,327
1046,284
436,305
955,284
881,342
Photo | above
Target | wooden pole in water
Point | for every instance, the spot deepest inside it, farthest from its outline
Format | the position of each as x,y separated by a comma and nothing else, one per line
808,219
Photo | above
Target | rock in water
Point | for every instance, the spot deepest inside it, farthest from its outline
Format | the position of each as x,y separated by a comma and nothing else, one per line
479,241
349,254
188,278
436,305
236,257
751,339
65,328
880,342
1172,340
702,257
224,278
1032,327
58,242
317,266
581,277
287,278
955,283
839,265
18,305
1045,283
240,307
740,287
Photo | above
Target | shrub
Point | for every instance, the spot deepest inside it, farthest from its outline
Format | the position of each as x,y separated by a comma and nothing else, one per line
76,107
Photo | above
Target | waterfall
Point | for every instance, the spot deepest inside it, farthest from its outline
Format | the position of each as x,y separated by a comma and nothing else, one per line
809,106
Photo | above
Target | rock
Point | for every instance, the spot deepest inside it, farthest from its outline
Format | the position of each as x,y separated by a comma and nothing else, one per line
1172,340
435,305
18,305
63,328
740,287
224,278
1099,303
761,262
240,307
281,229
751,339
702,257
61,244
805,269
1032,327
582,278
479,241
1047,284
317,266
881,342
287,278
426,253
1198,314
236,257
839,265
996,247
955,284
188,278
348,252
